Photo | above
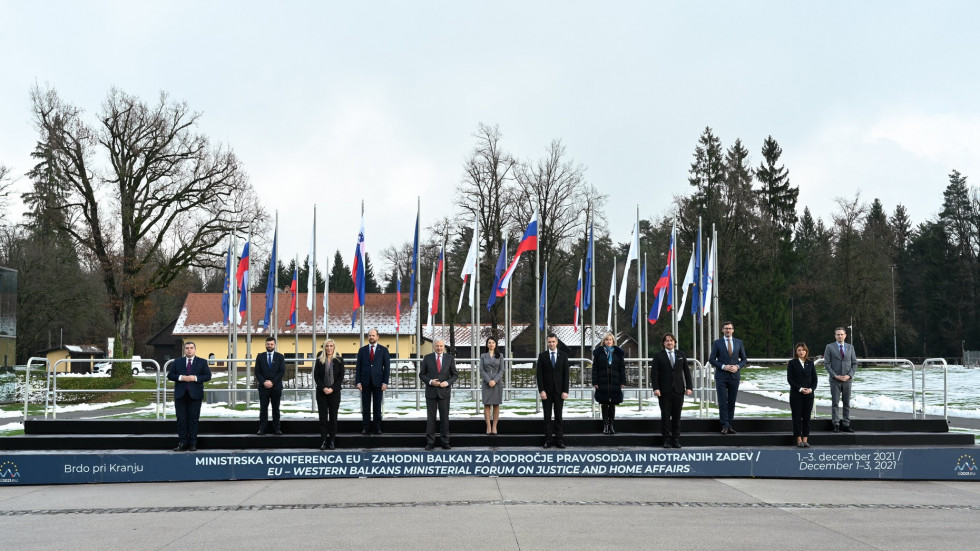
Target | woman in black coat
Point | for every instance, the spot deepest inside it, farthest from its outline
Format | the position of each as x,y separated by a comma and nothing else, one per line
608,379
328,375
802,378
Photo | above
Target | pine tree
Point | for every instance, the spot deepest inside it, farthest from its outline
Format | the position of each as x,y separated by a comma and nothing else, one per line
777,198
340,276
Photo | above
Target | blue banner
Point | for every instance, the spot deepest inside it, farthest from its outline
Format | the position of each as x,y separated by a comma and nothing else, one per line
853,463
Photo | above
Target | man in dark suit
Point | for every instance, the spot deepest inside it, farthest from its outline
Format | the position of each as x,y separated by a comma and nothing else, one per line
728,357
552,375
189,375
438,372
371,376
671,380
840,361
269,370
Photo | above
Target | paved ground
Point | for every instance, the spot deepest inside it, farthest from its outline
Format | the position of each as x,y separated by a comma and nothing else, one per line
494,513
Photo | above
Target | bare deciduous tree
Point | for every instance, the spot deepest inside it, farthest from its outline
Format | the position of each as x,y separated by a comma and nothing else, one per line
147,196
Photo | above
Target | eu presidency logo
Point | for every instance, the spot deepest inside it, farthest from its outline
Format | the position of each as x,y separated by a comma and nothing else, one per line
9,472
965,466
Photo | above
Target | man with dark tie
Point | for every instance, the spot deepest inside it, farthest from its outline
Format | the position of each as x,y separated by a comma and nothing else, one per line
551,372
671,380
269,370
371,376
728,357
840,361
189,375
438,373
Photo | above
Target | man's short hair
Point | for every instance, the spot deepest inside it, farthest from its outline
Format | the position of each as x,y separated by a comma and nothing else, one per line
552,335
724,323
190,343
840,329
273,339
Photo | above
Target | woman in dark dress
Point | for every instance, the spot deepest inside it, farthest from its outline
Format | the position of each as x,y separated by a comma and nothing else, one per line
608,379
802,378
492,373
328,375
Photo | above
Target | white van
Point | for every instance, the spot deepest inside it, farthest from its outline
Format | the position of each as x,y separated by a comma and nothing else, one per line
106,367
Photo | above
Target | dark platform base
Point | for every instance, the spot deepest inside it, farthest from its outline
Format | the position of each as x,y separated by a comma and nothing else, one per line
470,433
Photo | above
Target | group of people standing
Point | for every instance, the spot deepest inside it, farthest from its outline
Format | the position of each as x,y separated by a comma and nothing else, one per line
670,378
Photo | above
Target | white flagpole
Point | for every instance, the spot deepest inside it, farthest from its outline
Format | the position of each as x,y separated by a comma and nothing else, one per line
247,284
311,284
275,283
418,304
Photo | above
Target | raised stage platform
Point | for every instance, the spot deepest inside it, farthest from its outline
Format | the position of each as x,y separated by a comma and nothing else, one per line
78,451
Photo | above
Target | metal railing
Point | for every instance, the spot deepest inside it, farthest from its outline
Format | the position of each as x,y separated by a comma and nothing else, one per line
927,363
52,391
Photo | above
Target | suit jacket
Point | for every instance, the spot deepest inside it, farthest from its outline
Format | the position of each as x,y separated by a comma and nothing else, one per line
374,374
320,375
801,374
663,375
609,374
552,380
193,390
720,358
429,372
265,372
835,365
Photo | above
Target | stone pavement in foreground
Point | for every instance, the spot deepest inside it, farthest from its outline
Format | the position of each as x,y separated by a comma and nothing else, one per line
495,513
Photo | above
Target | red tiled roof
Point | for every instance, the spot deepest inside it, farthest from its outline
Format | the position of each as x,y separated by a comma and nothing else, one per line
201,314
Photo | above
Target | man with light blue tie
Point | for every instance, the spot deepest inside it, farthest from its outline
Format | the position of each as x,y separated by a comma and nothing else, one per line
840,361
728,357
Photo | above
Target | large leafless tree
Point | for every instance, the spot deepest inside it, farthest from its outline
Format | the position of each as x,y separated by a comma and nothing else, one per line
146,194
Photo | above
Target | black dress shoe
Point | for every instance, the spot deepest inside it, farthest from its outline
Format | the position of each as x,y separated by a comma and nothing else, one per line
547,444
560,445
846,428
180,448
192,448
365,432
323,446
430,447
666,444
731,430
331,444
675,444
278,432
724,430
260,432
447,447
806,444
836,428
378,431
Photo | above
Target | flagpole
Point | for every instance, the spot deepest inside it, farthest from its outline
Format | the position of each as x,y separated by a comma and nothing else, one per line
326,305
544,299
581,323
673,279
475,312
612,304
641,352
418,303
247,283
275,283
642,319
507,330
312,296
716,277
592,276
231,320
537,288
296,327
442,287
360,313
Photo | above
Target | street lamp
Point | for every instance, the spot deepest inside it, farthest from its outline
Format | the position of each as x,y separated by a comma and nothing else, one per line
894,315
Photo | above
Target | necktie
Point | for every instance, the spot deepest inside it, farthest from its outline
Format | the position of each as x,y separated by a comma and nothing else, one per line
438,363
552,359
269,358
842,351
671,356
729,346
372,354
190,361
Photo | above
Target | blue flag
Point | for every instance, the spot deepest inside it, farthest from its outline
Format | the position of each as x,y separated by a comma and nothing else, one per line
270,286
696,299
415,264
589,260
226,293
497,272
544,300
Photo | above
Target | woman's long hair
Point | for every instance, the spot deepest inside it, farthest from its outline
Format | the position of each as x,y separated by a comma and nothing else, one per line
323,349
496,350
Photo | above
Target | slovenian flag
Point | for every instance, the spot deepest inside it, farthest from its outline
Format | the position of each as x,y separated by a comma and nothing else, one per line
528,243
357,273
664,289
241,277
589,261
293,288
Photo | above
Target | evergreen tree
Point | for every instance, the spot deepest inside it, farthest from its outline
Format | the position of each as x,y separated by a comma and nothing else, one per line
340,276
777,198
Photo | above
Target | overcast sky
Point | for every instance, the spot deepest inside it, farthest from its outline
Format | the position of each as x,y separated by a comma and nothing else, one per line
332,102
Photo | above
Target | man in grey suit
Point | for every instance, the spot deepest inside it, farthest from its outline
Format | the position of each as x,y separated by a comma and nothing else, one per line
840,362
438,372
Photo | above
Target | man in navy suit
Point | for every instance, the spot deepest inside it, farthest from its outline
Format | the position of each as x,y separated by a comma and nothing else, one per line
269,370
371,376
728,357
551,371
840,361
189,375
